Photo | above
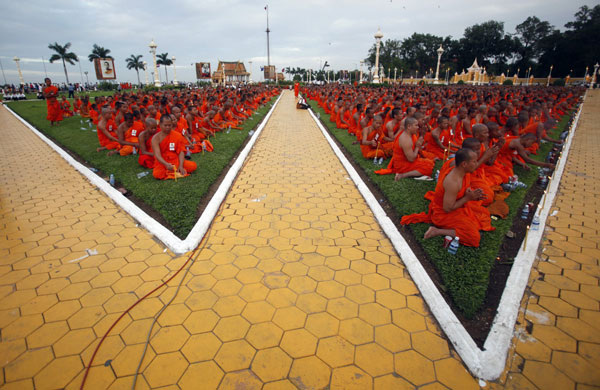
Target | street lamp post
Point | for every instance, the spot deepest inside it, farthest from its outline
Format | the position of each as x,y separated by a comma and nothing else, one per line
401,73
174,71
528,73
440,51
381,74
361,71
549,75
585,75
594,76
446,78
155,73
145,70
87,80
17,60
378,35
389,74
395,71
250,62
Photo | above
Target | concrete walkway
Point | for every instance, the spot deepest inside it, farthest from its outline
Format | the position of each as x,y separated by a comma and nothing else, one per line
297,286
557,345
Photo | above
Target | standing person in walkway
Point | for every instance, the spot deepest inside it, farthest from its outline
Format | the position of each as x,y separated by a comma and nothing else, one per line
54,111
71,91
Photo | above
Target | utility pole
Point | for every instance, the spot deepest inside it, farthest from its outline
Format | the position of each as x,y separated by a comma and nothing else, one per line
268,47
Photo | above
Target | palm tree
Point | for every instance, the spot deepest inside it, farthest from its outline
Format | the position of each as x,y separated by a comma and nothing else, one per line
99,52
163,59
63,55
133,62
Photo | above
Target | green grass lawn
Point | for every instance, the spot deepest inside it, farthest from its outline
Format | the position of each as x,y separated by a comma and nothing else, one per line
466,274
176,201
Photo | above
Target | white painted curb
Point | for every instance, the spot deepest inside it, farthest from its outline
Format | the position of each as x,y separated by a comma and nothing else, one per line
488,363
174,243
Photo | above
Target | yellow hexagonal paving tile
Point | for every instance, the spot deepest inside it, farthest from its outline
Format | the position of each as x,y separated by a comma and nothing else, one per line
335,351
301,290
271,364
298,343
235,355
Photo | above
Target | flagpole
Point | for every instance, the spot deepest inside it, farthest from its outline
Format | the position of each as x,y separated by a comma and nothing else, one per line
268,48
44,63
3,75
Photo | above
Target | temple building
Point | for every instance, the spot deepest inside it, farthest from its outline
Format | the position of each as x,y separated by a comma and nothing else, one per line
230,72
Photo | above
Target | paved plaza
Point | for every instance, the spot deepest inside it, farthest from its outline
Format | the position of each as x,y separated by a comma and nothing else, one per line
296,286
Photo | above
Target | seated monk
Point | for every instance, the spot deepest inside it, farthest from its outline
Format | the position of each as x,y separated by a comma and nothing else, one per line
181,126
85,107
77,105
94,114
106,132
515,152
478,176
453,210
128,133
438,139
197,131
65,106
405,160
146,158
370,145
392,127
169,152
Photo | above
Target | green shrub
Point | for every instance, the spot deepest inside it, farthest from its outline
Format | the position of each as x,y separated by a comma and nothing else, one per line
559,83
106,86
507,82
460,82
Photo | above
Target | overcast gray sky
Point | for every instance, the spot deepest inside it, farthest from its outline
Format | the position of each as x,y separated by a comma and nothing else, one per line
304,33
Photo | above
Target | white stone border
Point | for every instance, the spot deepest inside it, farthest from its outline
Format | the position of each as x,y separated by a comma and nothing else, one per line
487,364
174,243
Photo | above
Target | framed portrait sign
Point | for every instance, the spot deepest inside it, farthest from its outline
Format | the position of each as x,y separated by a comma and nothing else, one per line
105,69
203,70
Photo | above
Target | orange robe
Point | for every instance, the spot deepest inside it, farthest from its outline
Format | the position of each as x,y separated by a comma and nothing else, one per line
54,110
104,140
466,221
432,147
170,148
369,151
145,160
400,164
131,135
65,106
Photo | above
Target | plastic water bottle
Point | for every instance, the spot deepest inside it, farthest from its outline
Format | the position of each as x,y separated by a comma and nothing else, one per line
228,129
453,247
380,160
111,180
525,213
134,150
535,223
93,169
437,175
375,160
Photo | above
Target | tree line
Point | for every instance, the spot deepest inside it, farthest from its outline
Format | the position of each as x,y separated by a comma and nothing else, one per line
535,44
62,53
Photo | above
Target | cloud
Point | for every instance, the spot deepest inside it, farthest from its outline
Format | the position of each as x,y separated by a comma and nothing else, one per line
212,30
